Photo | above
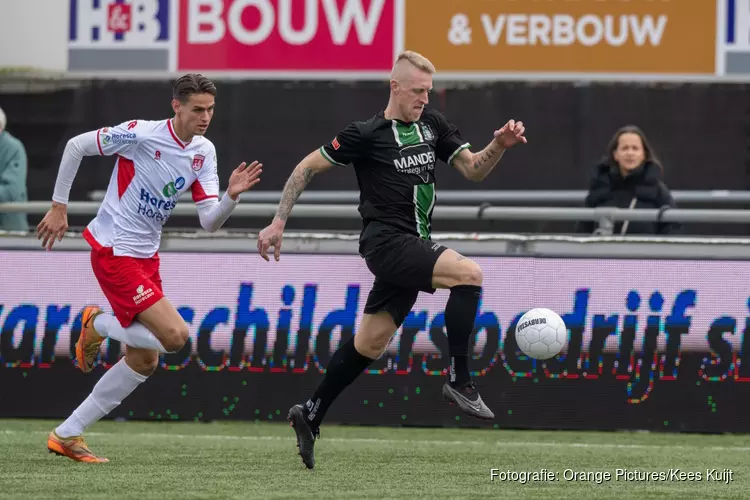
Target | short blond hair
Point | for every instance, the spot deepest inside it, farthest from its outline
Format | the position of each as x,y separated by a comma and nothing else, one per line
415,59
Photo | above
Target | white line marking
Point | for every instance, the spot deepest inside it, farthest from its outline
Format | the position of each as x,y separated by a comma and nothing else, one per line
426,442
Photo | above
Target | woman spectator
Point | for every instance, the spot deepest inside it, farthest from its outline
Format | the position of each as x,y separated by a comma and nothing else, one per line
629,176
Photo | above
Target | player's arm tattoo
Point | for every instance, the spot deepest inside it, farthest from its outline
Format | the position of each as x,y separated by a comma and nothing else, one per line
294,186
486,157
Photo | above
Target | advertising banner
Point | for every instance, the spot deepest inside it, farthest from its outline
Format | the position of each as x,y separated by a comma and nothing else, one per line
671,40
121,36
560,36
286,35
647,338
733,40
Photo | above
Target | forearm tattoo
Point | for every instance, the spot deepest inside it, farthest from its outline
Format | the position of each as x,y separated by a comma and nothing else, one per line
484,157
294,186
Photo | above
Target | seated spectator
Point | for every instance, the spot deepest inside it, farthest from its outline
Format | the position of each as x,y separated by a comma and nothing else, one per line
13,167
629,176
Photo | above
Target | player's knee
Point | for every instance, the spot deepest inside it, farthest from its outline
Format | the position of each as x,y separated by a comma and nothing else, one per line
470,274
175,337
372,344
377,346
143,363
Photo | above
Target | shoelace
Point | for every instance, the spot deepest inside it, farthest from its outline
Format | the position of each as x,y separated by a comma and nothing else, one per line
82,446
469,389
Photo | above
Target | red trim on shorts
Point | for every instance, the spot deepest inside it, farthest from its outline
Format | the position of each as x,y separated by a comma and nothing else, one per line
98,144
125,174
199,194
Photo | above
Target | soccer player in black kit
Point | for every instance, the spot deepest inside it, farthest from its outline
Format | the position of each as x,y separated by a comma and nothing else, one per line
394,155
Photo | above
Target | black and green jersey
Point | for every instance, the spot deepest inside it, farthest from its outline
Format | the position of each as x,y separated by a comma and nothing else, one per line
395,166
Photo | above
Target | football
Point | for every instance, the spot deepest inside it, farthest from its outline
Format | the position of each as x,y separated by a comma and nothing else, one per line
541,333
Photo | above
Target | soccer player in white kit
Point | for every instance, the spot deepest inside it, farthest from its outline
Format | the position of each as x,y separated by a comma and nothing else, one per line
156,162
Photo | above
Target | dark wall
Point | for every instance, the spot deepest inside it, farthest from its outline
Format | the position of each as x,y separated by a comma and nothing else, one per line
699,131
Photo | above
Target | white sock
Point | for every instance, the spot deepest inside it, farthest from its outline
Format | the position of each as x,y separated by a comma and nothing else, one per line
108,393
136,335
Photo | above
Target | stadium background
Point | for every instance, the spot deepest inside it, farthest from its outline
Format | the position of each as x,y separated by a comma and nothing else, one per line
634,361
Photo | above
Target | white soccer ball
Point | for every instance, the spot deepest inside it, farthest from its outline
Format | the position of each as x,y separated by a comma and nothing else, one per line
541,333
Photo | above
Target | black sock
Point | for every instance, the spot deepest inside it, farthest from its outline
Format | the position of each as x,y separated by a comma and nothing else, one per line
460,313
346,365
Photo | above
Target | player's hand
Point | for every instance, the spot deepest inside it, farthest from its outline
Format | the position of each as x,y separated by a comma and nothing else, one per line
271,237
510,134
53,226
244,178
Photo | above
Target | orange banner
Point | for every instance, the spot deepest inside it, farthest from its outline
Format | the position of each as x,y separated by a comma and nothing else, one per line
564,36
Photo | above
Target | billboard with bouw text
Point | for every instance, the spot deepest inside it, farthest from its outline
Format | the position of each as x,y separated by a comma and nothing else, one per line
358,39
584,36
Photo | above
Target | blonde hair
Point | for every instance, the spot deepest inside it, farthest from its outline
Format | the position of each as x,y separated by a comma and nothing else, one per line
3,120
415,59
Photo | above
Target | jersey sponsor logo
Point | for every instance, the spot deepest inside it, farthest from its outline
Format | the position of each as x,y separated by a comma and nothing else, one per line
159,204
142,293
198,162
172,188
418,159
151,206
107,138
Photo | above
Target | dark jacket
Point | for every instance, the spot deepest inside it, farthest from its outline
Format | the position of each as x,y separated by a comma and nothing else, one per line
608,188
13,168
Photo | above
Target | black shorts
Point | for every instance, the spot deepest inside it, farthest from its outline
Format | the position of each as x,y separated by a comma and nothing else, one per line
403,266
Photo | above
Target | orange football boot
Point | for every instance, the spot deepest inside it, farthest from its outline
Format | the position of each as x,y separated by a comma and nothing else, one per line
74,448
88,343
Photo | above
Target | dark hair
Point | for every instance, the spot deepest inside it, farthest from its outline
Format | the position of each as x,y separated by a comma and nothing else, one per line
650,154
192,83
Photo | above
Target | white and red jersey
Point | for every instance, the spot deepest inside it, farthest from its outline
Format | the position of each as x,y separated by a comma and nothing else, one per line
153,168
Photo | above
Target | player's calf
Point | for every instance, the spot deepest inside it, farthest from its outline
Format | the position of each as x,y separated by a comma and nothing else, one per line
464,279
347,363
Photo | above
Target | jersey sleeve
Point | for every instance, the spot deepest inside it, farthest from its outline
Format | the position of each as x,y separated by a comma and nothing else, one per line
206,186
345,148
449,140
122,139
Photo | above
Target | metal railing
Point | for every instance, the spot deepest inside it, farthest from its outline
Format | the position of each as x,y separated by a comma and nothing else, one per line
477,212
496,197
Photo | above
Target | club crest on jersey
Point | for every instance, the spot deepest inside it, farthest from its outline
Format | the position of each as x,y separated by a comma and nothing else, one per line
427,132
198,162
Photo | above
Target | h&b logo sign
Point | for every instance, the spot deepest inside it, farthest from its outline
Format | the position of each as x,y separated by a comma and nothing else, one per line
119,35
737,19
